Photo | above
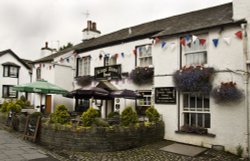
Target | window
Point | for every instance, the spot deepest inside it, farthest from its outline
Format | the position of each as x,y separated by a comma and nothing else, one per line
83,66
38,73
146,100
195,51
8,92
145,55
108,61
196,110
11,71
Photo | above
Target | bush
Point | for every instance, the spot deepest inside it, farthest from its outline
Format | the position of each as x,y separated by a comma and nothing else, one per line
152,114
60,116
89,116
114,118
129,117
113,114
14,107
4,106
101,122
21,103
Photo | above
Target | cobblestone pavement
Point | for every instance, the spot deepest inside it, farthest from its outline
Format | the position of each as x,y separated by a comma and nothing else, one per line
147,153
13,148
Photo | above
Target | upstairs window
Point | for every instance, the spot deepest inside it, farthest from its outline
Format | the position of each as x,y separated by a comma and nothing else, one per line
195,50
108,61
8,92
10,71
38,73
83,66
144,55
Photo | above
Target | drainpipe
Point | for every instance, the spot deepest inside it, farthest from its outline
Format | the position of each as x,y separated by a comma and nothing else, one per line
246,82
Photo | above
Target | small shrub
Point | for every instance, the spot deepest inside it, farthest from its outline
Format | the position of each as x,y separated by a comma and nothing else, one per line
239,150
113,114
60,116
89,116
152,114
129,117
14,107
21,103
99,122
4,106
194,129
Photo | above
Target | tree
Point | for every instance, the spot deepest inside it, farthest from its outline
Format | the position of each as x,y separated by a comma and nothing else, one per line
69,44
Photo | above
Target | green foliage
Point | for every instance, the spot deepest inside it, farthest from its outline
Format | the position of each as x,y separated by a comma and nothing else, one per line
239,150
22,98
21,103
113,114
14,107
129,117
152,114
89,116
66,46
60,116
101,122
4,106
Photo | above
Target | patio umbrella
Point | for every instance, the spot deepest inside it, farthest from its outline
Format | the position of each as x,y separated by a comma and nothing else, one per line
125,93
89,92
40,86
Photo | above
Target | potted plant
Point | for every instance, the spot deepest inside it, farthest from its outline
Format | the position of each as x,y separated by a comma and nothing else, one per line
194,79
227,92
142,75
194,129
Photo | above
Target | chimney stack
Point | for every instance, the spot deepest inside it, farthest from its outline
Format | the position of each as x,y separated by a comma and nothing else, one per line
91,31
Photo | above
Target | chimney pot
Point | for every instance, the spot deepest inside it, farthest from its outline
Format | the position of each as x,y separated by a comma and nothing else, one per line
46,44
94,26
89,25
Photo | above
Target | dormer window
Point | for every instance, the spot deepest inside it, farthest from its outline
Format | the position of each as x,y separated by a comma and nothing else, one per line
10,70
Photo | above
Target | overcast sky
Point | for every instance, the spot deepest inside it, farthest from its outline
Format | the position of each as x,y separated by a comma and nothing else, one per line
25,25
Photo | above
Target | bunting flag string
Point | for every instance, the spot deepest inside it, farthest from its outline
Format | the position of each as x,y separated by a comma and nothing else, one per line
172,46
122,54
157,40
182,42
194,38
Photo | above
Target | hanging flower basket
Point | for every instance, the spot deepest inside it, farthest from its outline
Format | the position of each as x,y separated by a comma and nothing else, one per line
84,80
227,92
194,79
142,75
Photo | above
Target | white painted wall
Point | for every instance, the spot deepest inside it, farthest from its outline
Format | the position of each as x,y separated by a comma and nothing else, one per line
228,121
24,76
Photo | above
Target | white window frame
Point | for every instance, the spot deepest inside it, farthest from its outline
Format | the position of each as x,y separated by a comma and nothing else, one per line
147,99
194,52
196,111
145,55
84,66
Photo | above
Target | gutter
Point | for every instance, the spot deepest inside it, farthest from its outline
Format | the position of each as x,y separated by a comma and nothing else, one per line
246,82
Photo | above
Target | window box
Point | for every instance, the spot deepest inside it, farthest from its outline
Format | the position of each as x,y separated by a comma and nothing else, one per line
227,92
142,75
84,80
194,79
207,135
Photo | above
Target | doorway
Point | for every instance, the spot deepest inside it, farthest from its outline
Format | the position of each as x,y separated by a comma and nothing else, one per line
48,104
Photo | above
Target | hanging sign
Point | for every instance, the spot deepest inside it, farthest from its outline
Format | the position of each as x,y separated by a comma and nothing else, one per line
165,95
108,72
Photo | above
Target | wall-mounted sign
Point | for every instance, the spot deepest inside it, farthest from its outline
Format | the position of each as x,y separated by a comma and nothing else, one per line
108,72
165,95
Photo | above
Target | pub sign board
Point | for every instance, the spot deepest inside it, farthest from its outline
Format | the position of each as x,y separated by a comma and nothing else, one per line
165,95
108,72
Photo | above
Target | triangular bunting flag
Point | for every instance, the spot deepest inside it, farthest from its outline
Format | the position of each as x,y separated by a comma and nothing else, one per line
215,42
122,54
183,42
147,47
202,41
134,51
239,34
157,40
227,40
163,44
172,46
194,38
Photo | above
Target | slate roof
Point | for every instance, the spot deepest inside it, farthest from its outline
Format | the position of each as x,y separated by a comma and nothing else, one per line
196,20
14,55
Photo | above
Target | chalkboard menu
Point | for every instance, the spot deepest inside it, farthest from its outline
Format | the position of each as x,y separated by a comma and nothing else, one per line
165,95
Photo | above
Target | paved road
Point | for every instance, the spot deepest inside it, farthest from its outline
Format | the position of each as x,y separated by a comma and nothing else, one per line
16,149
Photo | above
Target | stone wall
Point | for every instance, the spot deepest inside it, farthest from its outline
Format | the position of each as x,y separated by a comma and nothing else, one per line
100,139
